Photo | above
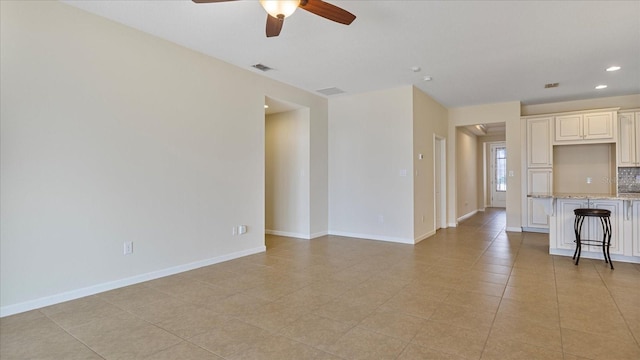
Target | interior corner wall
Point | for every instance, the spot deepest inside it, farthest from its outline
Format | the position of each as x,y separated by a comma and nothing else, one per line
429,119
370,165
162,146
509,113
287,174
467,164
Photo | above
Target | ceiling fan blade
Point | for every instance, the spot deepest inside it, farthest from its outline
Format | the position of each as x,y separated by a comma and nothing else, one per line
274,25
209,1
328,11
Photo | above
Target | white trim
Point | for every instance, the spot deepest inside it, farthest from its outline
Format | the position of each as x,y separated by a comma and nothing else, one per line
442,206
296,235
466,216
373,237
595,255
287,234
453,224
424,236
535,230
319,234
513,229
91,290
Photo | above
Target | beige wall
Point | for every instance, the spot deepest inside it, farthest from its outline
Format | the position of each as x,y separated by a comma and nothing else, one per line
509,113
112,135
287,174
429,120
370,162
573,164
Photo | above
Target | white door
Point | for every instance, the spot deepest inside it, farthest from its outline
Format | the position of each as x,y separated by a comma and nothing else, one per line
498,175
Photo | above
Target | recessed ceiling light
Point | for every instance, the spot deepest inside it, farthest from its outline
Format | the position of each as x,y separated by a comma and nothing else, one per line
427,78
613,68
600,87
266,106
415,68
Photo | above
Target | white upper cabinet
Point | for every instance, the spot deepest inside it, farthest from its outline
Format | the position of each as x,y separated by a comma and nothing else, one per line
539,147
629,139
597,127
569,127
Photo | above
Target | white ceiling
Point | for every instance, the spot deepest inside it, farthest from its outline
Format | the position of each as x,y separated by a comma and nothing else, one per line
477,52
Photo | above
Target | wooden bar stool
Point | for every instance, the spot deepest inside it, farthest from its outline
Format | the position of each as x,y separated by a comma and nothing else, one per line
605,221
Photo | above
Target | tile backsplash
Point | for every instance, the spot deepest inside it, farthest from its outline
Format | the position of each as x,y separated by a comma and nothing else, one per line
629,180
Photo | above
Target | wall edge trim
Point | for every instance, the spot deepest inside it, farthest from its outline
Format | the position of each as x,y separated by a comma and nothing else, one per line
373,237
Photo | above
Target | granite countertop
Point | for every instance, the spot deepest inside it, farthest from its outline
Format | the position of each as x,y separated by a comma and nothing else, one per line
629,196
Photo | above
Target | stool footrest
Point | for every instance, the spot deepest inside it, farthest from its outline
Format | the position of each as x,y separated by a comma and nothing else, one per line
592,242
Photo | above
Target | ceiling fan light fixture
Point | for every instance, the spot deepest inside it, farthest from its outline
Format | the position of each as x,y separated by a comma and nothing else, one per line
276,8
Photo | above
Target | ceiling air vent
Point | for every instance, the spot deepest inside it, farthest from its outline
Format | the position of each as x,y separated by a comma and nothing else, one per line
330,91
261,67
551,85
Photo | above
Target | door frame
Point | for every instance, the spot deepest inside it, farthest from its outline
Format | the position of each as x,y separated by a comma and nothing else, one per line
490,175
440,162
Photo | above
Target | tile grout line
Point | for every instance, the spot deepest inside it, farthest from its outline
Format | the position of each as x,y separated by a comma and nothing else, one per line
503,291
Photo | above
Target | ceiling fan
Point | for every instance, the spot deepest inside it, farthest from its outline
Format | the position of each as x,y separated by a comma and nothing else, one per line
278,10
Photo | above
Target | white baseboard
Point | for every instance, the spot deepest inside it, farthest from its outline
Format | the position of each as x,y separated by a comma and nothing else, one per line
287,234
513,229
452,225
373,237
424,236
466,216
95,289
319,234
535,230
596,255
296,235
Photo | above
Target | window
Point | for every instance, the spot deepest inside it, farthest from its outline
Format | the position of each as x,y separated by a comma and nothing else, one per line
501,169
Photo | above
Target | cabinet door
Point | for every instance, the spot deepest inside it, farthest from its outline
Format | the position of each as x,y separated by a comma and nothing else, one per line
539,148
635,228
627,140
568,127
617,226
540,181
565,218
536,215
599,126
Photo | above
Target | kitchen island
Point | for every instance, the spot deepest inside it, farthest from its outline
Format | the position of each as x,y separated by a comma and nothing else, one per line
625,224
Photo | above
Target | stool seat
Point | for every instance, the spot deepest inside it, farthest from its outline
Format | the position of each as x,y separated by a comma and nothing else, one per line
605,221
592,212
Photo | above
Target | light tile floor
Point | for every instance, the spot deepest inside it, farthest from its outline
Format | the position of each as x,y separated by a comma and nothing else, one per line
472,292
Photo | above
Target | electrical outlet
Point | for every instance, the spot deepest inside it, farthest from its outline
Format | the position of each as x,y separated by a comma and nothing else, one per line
128,247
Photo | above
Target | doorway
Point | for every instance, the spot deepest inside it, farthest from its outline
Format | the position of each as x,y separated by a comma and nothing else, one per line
498,174
287,168
440,181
